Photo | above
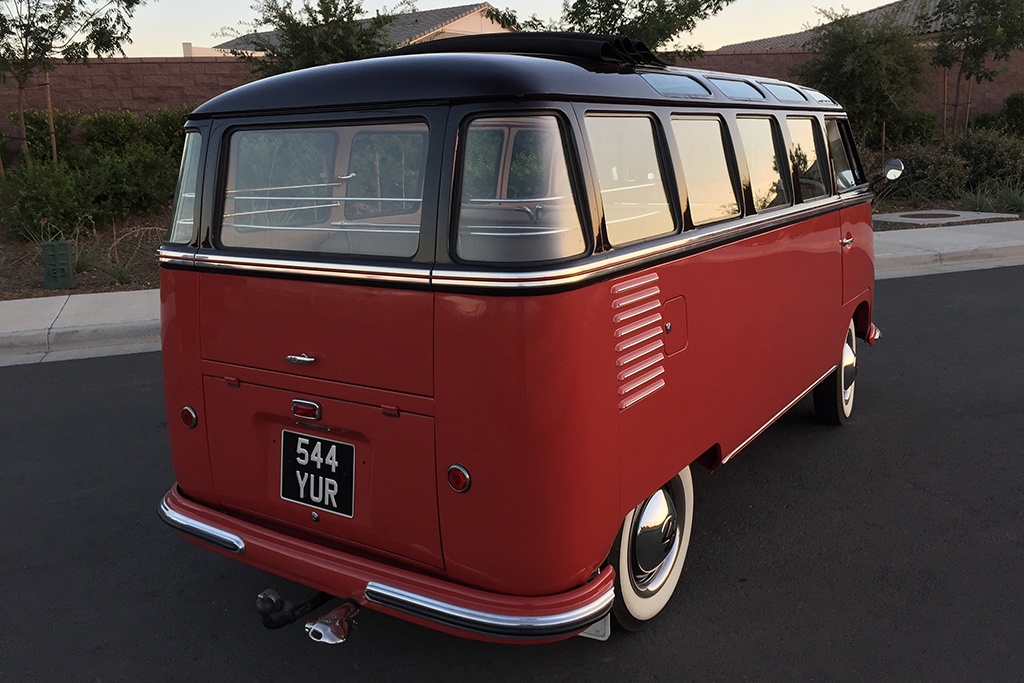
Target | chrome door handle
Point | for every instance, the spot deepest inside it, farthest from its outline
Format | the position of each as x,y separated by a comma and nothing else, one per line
846,241
300,360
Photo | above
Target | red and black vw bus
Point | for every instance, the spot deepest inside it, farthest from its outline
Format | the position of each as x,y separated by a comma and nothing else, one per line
443,331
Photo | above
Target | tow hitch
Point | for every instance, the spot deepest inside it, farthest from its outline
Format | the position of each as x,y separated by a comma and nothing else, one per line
276,612
332,628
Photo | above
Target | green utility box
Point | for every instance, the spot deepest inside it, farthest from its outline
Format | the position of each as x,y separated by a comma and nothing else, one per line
59,265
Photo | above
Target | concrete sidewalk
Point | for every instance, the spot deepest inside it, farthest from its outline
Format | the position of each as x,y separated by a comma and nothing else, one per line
87,325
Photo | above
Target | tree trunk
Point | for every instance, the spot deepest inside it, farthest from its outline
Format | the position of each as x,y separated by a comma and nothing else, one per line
883,139
21,124
49,112
3,175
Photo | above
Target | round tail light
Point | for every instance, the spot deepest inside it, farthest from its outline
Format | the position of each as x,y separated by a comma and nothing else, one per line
458,478
189,417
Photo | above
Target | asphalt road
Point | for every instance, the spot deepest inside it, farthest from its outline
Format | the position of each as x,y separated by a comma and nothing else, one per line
887,550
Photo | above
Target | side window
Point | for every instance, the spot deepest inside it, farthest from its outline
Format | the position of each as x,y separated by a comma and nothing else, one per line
847,173
709,185
184,215
354,190
806,158
632,187
760,144
517,202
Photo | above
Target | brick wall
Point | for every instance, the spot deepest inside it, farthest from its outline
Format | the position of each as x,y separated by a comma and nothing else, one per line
987,98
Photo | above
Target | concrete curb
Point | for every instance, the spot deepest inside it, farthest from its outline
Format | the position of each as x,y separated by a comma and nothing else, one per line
89,325
54,328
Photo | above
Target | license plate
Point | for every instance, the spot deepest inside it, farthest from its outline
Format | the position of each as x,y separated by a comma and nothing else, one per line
317,472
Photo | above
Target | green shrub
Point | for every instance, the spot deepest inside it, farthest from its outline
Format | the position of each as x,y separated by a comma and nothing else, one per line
164,129
140,180
919,126
1013,113
37,129
111,132
42,202
990,155
932,172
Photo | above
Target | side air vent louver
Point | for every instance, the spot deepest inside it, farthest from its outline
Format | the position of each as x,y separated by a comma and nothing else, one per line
638,339
609,49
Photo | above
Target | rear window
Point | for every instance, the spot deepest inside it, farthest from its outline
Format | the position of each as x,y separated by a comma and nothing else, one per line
517,202
335,190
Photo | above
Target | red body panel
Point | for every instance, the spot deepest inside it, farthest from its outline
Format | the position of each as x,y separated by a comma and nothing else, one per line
368,336
527,392
528,398
183,381
859,257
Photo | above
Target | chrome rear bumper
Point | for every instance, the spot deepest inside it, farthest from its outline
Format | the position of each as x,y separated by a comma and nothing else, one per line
416,597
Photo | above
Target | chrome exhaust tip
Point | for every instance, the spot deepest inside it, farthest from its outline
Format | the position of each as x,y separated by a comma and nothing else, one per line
333,627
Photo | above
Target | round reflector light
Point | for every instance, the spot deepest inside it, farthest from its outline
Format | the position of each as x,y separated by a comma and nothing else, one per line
189,417
458,478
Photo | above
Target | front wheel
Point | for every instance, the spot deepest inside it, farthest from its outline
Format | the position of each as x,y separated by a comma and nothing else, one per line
833,398
649,552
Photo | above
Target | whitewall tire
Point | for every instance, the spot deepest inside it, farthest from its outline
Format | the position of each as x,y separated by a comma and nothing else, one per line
649,552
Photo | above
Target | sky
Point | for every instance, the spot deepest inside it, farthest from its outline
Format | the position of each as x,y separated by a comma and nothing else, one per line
161,26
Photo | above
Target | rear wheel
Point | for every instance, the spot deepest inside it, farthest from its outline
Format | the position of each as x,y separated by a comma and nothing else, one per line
649,552
833,398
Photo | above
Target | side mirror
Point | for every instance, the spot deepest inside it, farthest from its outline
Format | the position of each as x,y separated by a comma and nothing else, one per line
891,172
893,169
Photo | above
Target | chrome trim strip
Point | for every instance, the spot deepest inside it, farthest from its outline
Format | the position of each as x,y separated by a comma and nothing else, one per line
204,532
612,262
488,623
598,266
175,256
268,265
779,414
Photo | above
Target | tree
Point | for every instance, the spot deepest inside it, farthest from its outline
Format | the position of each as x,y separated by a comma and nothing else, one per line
875,69
972,34
653,22
326,32
34,33
508,19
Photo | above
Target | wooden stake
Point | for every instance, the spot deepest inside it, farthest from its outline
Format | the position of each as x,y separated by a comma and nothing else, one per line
883,139
945,102
49,111
970,91
21,125
3,175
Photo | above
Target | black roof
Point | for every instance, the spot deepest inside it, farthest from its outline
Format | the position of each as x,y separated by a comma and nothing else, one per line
451,76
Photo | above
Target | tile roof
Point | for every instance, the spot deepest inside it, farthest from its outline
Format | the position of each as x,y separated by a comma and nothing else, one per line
404,29
902,12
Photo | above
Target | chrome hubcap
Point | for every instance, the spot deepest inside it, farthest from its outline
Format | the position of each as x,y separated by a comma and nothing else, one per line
655,536
849,367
